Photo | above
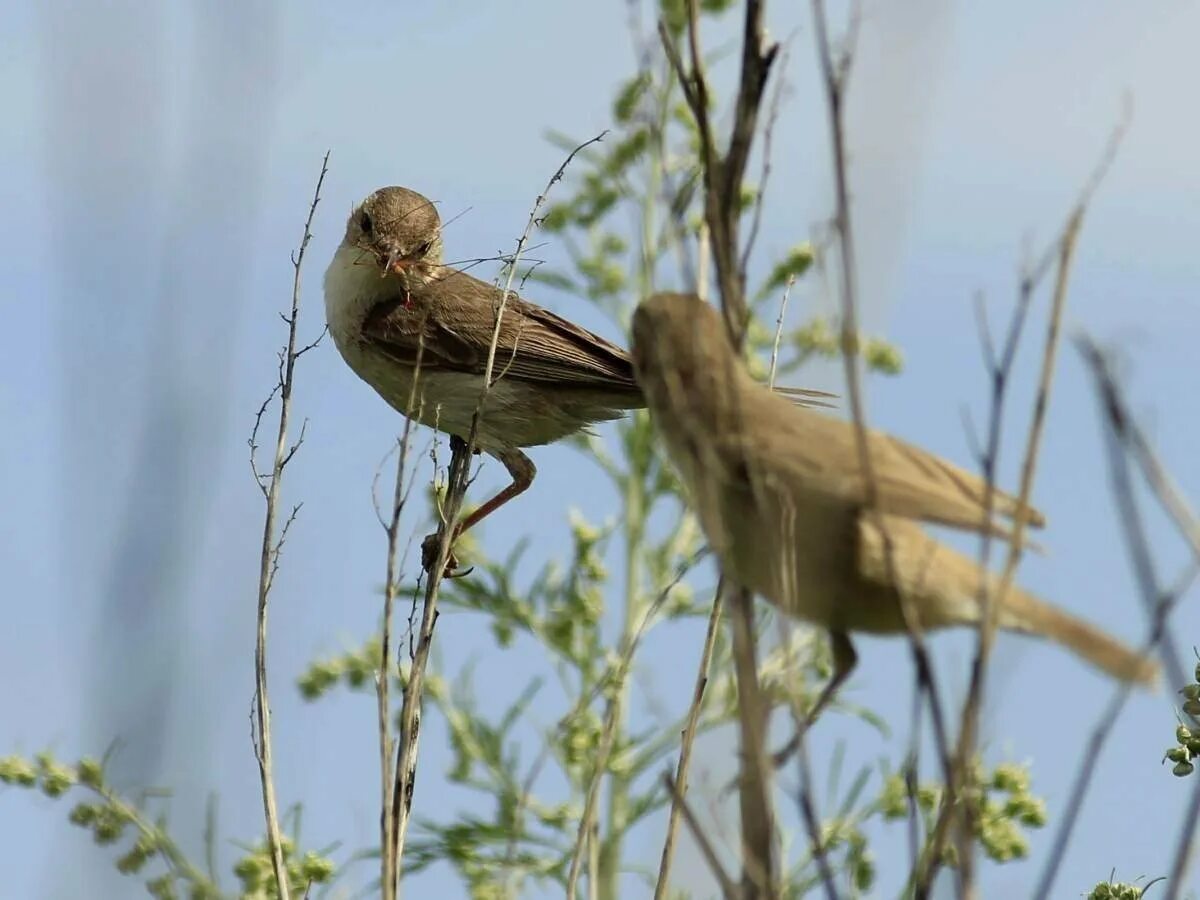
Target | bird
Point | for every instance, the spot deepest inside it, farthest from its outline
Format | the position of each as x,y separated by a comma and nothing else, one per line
394,310
783,502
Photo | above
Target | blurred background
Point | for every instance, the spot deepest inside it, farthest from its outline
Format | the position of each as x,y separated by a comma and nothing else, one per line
157,162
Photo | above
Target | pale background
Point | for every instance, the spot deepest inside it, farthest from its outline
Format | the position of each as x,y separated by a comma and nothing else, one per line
157,162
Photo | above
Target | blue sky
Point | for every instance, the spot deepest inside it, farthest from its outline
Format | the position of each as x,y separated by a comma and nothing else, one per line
157,166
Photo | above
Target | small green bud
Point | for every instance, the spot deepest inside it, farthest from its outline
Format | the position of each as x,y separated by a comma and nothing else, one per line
90,772
893,800
929,797
249,873
17,770
1010,777
1183,769
83,814
56,779
1182,733
1033,812
131,862
163,887
316,868
1191,692
1177,754
1192,708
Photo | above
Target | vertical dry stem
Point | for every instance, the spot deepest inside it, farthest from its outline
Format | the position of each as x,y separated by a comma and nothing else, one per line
269,560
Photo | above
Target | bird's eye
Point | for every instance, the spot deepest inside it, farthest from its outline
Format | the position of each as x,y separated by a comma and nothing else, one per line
424,248
364,222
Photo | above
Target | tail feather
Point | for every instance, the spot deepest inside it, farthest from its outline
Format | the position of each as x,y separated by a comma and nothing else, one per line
1023,612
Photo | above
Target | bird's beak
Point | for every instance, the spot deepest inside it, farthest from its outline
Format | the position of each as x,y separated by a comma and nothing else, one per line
396,263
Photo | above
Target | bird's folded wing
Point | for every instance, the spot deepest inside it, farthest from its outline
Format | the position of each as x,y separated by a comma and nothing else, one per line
453,322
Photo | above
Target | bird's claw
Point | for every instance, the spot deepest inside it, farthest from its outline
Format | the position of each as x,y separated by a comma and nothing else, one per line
429,554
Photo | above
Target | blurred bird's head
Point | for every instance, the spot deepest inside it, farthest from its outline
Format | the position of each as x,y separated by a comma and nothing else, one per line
680,345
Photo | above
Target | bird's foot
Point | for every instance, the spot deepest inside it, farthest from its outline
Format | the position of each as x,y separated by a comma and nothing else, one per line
429,554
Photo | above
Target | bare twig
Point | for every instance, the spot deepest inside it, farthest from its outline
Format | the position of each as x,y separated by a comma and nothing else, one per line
808,809
759,856
1125,442
270,550
728,888
999,368
687,741
787,290
389,862
765,172
723,174
406,753
834,75
991,601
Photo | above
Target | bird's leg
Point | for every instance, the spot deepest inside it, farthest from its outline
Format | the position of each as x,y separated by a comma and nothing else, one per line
520,467
844,661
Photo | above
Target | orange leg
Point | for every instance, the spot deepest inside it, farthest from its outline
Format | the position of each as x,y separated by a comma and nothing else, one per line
522,470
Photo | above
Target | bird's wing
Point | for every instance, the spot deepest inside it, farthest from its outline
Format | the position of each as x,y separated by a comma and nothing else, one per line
818,454
452,320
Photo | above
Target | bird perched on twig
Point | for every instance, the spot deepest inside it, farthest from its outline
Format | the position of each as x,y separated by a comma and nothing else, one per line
781,497
419,333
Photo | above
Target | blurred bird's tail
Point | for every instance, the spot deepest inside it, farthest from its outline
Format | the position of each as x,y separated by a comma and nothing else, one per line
1024,612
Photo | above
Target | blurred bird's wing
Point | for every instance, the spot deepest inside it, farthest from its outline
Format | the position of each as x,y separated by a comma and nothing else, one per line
816,454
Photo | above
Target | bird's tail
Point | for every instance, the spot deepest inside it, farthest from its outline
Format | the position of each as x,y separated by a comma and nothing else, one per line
1024,612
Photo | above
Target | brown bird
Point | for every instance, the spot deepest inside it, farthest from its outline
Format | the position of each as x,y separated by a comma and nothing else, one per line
391,304
780,495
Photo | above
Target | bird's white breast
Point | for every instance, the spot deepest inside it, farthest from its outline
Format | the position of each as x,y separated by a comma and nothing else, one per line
445,400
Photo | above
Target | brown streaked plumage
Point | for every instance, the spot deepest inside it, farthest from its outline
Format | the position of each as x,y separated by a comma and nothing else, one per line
390,302
780,495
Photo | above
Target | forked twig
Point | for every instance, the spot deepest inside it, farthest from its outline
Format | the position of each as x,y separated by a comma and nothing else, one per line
270,554
834,75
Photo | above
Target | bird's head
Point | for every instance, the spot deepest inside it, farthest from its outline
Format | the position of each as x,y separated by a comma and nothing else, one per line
680,338
399,228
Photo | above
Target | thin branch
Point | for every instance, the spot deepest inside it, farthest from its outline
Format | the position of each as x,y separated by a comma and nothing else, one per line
993,600
1126,441
687,741
759,856
808,810
389,862
728,888
999,368
834,76
268,559
723,174
787,290
765,173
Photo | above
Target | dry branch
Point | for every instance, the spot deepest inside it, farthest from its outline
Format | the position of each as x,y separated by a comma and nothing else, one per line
269,559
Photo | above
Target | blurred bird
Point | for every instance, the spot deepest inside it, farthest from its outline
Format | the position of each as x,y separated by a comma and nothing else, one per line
393,308
780,495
